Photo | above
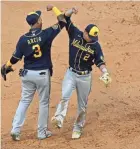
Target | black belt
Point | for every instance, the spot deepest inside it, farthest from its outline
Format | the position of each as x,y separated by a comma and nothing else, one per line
79,72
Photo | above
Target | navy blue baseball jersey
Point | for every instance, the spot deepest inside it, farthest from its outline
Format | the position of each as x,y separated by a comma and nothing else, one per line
35,46
82,54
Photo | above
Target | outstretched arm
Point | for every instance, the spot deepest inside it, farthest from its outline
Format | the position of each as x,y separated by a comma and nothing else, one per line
56,28
70,27
58,13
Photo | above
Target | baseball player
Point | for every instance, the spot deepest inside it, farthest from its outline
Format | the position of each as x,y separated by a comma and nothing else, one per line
84,51
35,46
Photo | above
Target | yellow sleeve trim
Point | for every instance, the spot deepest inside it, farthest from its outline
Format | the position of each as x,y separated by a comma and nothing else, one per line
56,11
8,64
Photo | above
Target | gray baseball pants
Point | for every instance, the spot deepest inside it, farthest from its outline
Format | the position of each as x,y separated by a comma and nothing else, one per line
82,85
34,81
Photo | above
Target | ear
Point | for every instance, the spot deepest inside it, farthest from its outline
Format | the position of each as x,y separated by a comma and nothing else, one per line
38,22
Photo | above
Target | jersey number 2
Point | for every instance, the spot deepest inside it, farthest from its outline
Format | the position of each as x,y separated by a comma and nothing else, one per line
37,50
86,57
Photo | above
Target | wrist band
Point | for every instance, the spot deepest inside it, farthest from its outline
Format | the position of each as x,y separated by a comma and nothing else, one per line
8,64
56,11
104,70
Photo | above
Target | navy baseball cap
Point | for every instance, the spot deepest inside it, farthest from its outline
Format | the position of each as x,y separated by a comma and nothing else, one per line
92,31
33,17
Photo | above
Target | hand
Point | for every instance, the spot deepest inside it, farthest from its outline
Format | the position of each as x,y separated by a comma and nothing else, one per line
74,10
49,7
69,12
5,70
106,78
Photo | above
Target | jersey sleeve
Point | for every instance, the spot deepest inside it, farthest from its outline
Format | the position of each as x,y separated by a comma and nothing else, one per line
18,53
99,57
54,30
70,27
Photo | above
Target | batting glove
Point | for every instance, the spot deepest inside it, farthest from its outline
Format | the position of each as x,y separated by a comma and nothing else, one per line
106,78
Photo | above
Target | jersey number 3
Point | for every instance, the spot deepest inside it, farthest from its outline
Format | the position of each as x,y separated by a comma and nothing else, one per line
37,50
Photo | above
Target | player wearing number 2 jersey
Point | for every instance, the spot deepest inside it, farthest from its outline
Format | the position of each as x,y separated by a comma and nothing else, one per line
84,51
35,46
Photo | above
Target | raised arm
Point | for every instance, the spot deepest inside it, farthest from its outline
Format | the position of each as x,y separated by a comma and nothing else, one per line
69,12
70,27
55,29
58,13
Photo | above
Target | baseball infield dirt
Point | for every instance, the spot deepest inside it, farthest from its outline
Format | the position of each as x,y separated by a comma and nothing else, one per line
113,116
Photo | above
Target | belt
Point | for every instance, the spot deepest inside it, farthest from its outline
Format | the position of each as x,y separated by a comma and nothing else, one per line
79,72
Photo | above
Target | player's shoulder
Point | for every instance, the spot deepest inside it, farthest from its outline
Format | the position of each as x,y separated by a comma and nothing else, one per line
96,45
21,39
79,33
77,30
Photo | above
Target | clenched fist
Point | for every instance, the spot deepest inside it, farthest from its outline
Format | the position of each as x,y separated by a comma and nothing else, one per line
50,7
74,10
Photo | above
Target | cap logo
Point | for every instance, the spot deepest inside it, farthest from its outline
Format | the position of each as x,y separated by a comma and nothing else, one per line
33,13
94,31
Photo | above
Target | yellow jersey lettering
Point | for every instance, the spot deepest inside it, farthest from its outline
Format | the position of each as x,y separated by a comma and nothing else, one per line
77,44
28,41
39,38
37,50
34,40
86,57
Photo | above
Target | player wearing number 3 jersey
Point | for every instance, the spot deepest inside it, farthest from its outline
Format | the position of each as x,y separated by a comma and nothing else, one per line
35,46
